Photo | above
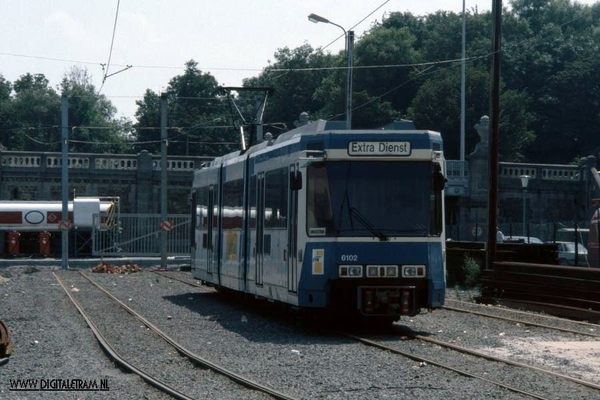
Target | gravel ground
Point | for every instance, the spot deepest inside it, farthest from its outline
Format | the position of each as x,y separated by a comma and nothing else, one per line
567,353
51,341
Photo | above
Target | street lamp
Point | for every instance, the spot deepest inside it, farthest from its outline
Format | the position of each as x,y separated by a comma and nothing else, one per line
524,183
349,35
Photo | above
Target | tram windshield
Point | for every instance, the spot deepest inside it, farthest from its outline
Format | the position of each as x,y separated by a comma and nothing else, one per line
378,199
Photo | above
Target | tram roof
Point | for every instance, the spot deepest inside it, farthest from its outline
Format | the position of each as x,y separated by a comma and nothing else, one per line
322,126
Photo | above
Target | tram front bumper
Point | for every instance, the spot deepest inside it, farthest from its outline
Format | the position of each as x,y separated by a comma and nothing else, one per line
387,301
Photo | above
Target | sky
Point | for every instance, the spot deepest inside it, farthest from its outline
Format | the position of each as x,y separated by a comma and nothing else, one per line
230,39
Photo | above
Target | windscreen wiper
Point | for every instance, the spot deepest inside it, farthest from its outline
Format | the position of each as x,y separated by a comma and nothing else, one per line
367,224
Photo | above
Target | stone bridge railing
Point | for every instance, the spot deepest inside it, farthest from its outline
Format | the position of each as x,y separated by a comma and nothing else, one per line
546,172
19,159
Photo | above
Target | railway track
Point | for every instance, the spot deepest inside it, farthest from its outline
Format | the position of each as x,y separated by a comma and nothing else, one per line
431,361
479,361
449,364
179,279
110,343
570,326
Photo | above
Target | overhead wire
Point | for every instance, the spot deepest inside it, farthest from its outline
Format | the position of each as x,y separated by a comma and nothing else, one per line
181,131
358,23
285,70
112,42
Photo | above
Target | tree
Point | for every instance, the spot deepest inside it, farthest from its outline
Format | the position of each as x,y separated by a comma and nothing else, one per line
148,123
31,114
36,115
194,109
392,49
551,49
296,75
572,114
6,112
437,107
94,128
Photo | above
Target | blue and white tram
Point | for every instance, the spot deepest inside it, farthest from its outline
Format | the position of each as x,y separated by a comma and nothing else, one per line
335,220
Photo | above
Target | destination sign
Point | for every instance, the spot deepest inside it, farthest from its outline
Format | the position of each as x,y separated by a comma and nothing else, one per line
379,149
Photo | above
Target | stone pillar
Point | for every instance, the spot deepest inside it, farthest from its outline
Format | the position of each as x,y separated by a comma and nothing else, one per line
593,189
2,194
45,191
144,193
474,208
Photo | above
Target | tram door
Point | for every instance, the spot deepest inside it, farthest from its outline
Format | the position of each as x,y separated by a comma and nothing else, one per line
210,234
292,238
260,227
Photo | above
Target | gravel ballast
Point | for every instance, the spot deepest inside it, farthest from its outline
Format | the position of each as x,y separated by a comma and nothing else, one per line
51,341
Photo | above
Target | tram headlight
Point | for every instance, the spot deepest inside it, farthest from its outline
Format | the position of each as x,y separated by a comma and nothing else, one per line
350,271
413,271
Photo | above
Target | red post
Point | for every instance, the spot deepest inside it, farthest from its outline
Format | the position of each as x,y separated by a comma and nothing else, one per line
44,242
13,243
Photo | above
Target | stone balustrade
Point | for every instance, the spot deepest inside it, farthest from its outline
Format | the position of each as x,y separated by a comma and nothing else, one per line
17,159
546,172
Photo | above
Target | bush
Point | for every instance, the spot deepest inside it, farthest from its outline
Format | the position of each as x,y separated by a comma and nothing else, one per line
471,271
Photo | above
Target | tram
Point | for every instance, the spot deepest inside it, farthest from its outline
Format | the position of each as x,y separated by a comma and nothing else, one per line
324,219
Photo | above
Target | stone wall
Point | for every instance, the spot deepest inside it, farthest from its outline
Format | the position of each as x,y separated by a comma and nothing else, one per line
135,179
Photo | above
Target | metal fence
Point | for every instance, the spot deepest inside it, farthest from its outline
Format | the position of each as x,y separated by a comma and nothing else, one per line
547,232
141,235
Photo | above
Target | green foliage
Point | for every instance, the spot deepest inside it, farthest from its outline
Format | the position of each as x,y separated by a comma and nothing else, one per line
406,66
194,112
92,117
387,47
35,109
30,112
302,79
472,271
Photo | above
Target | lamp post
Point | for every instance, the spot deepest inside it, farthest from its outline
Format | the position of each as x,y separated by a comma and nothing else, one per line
349,36
524,183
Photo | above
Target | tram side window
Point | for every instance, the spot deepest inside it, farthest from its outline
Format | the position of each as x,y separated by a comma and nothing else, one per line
276,198
318,201
252,200
232,204
435,202
201,208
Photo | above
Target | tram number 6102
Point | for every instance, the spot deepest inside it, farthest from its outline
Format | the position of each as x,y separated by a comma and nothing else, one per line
349,257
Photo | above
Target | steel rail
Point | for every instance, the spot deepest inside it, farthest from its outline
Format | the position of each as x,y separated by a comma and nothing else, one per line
196,358
115,355
520,321
441,365
503,360
515,311
438,364
179,279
